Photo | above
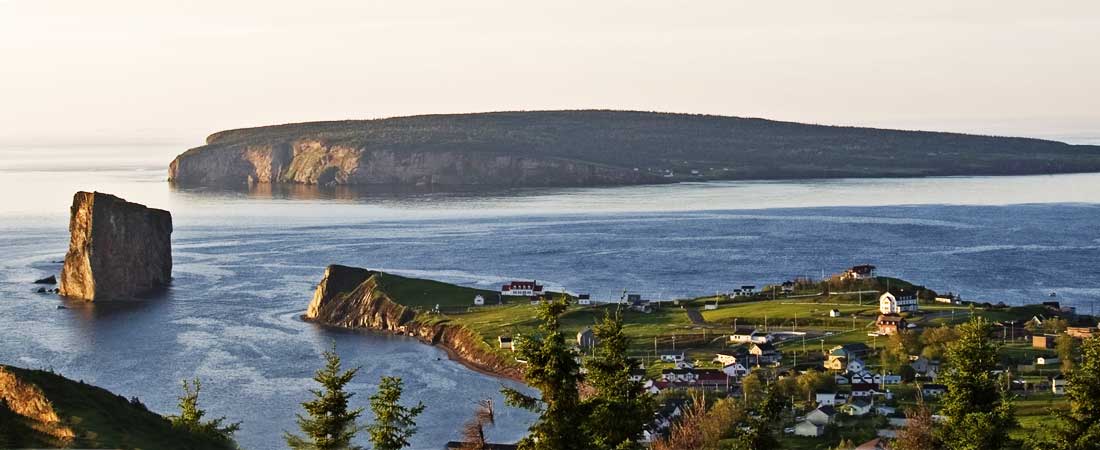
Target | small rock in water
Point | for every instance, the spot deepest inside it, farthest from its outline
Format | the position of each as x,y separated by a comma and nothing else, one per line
41,290
61,307
48,280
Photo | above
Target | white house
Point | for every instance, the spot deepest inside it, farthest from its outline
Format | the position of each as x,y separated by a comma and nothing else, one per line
855,366
505,342
834,313
735,370
822,415
1046,360
726,357
897,301
825,398
751,336
675,357
522,288
808,429
479,300
584,299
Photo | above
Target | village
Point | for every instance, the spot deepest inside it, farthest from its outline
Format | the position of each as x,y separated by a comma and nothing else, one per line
854,349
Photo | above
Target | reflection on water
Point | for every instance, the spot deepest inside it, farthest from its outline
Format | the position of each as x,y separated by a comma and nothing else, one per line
246,262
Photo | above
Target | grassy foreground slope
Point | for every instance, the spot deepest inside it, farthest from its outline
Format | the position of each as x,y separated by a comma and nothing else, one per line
718,147
72,414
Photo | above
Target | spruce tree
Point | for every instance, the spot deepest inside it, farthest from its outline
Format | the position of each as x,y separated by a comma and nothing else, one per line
620,408
977,405
1079,427
190,416
393,424
553,370
329,424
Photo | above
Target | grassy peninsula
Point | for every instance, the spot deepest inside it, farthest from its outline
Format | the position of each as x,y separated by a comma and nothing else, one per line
810,319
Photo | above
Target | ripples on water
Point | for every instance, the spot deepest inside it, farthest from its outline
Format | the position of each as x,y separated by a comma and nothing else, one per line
246,263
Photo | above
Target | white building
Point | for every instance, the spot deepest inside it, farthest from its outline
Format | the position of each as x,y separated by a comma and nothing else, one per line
726,357
825,398
897,301
834,313
808,429
522,288
735,370
751,336
479,300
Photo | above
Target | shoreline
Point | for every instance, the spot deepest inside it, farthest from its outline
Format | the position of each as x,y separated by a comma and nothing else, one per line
452,354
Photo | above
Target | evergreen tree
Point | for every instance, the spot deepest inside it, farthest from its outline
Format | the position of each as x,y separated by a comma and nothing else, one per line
393,424
620,408
1079,427
329,425
553,370
190,417
977,406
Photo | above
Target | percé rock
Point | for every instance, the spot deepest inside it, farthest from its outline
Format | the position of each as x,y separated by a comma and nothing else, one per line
117,250
352,297
593,147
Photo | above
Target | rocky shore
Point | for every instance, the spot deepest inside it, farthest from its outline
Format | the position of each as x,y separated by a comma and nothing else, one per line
351,297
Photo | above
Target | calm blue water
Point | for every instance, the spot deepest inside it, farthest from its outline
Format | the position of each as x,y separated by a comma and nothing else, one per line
245,267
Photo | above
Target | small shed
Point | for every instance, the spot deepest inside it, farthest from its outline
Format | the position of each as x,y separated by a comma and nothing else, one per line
479,300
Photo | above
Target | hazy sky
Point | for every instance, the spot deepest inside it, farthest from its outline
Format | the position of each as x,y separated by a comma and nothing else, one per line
177,70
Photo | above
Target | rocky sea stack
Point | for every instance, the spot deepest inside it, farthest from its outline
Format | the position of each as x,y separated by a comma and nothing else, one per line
117,250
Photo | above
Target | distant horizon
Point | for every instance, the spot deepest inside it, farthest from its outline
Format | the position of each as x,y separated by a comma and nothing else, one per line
133,70
1073,138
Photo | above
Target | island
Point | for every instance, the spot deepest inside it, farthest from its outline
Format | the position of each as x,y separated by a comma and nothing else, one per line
598,148
867,345
118,250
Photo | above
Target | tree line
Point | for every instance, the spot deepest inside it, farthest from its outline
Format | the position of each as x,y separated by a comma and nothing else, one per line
594,404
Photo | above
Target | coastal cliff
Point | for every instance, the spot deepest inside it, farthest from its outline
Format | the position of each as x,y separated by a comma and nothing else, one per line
594,148
317,162
352,297
117,250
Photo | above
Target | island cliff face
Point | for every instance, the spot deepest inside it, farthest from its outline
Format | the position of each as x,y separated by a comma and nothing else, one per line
351,297
117,250
316,162
594,148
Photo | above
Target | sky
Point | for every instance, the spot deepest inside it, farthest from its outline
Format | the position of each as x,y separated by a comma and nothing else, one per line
114,71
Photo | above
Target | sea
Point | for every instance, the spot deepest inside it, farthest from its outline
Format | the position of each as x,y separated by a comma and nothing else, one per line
246,263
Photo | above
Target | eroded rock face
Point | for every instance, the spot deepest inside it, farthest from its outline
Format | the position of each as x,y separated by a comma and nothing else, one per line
316,162
351,297
117,250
